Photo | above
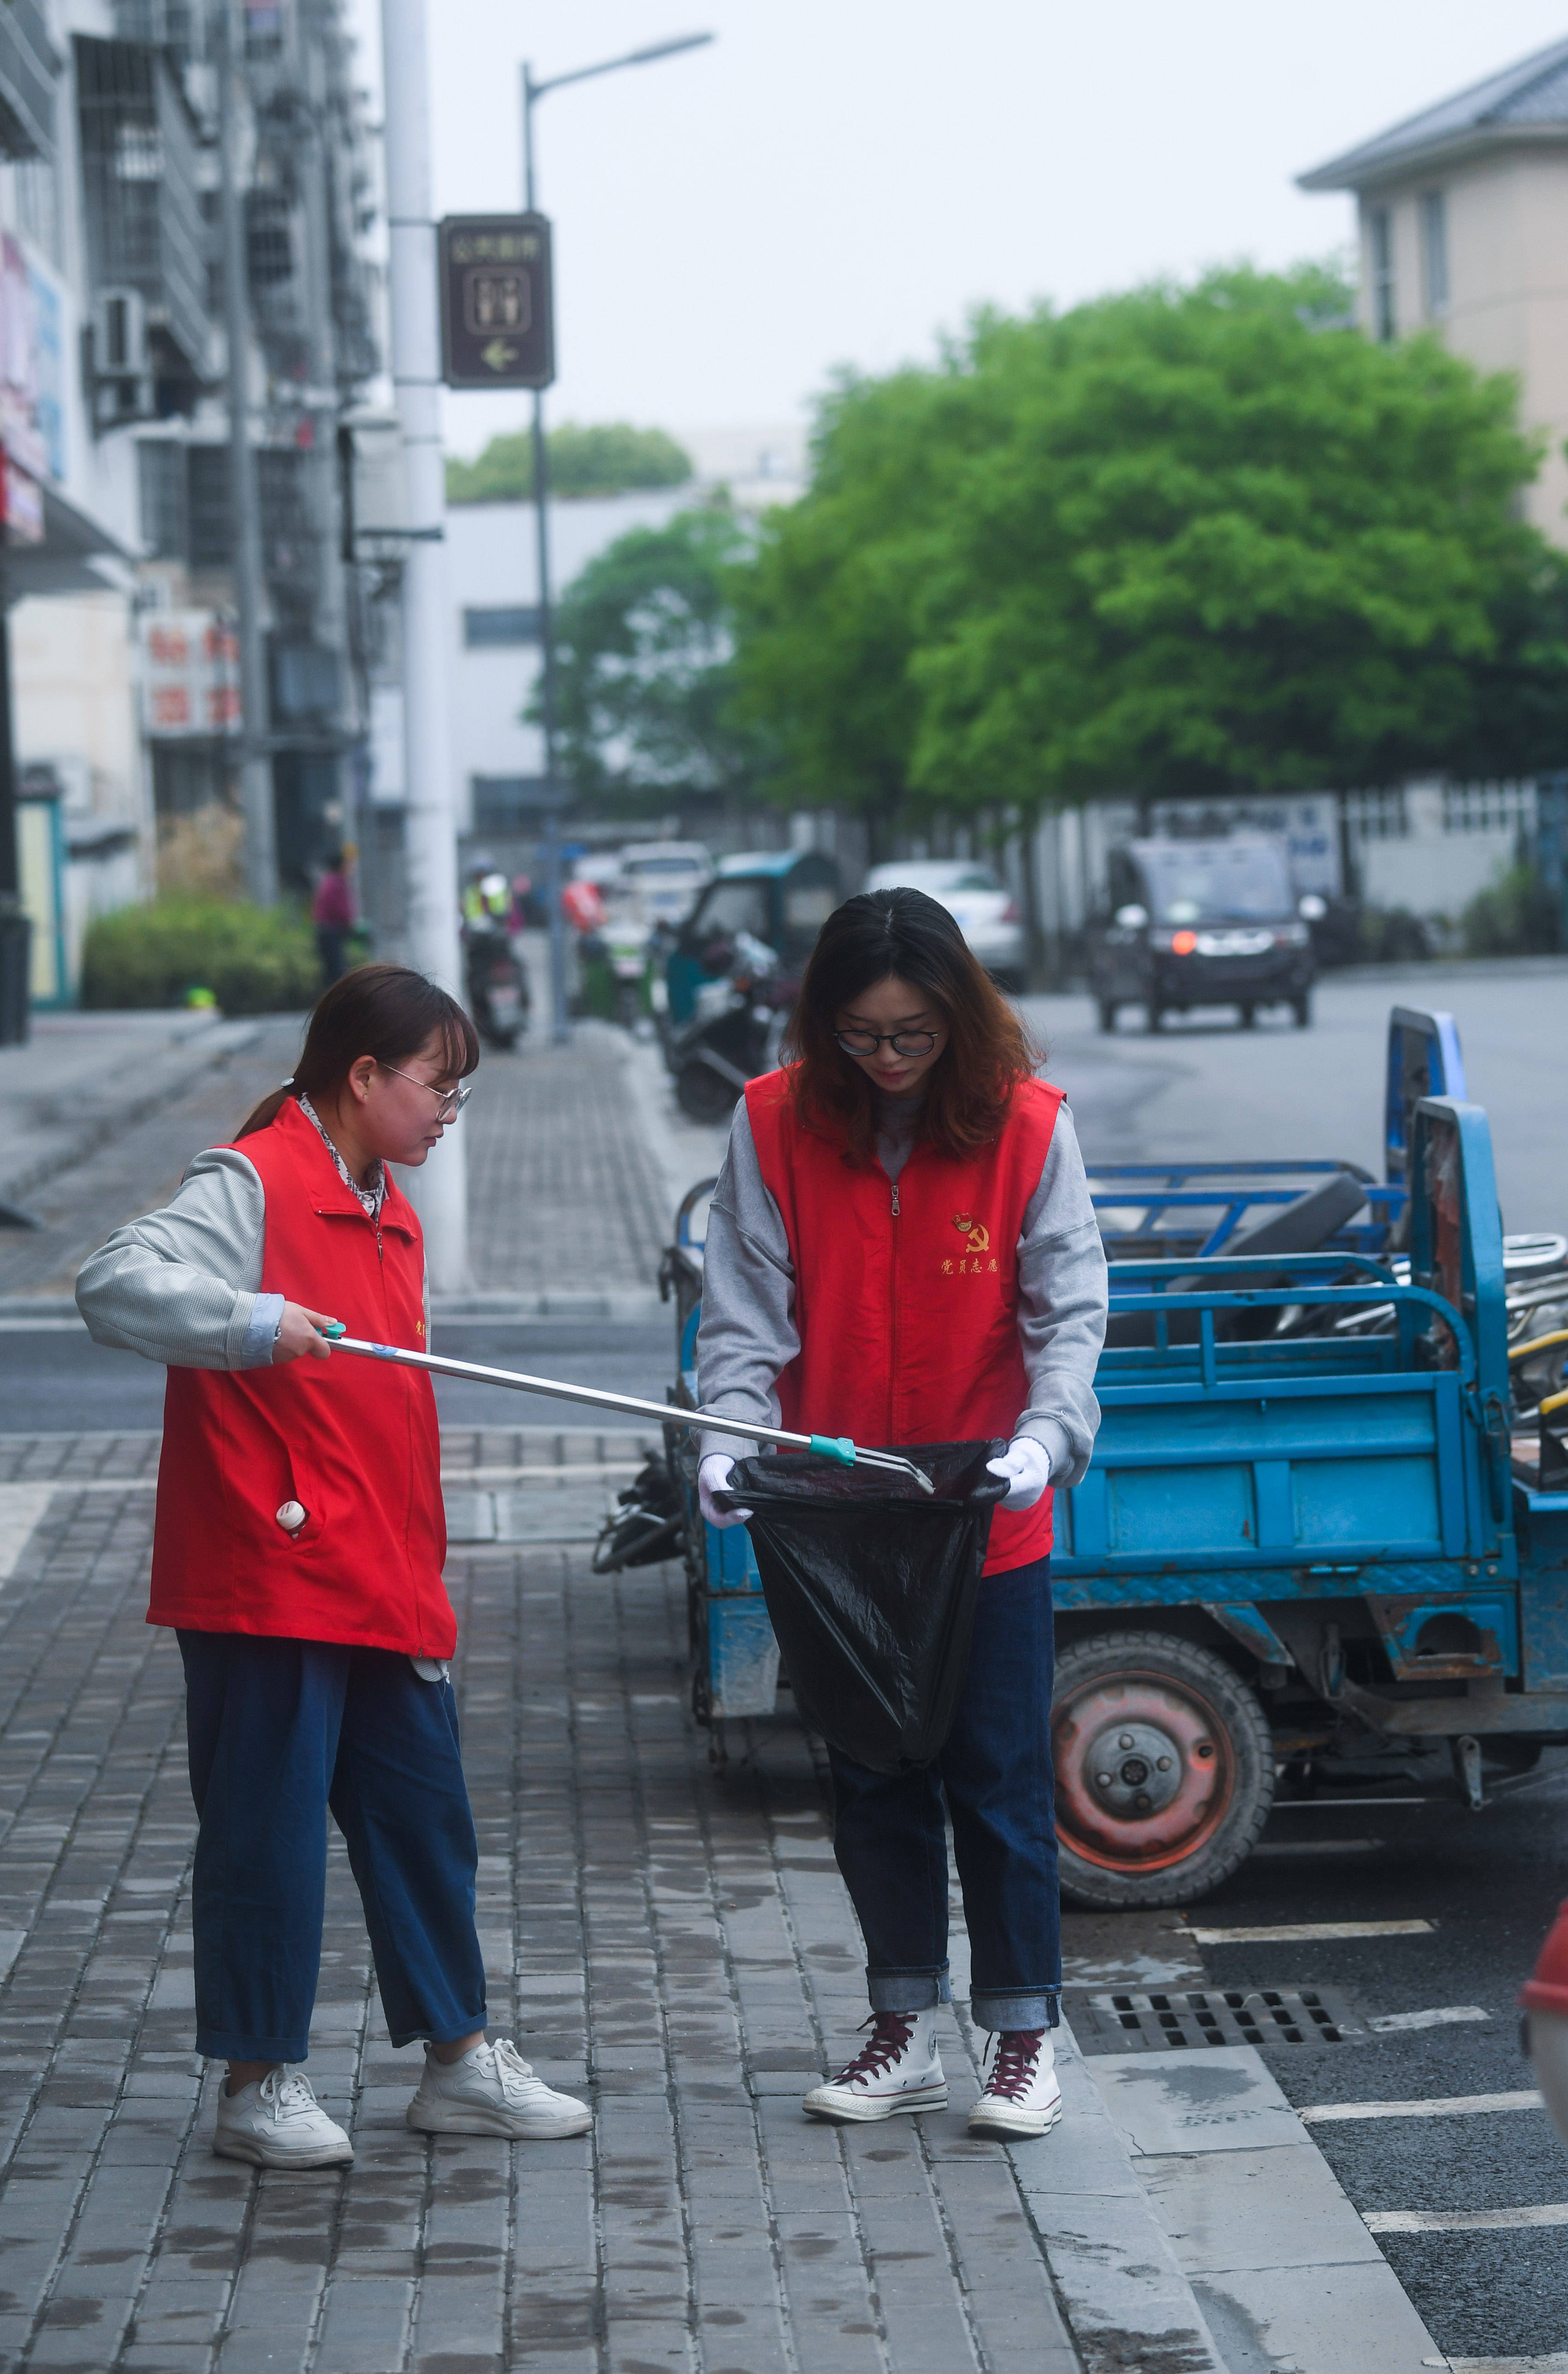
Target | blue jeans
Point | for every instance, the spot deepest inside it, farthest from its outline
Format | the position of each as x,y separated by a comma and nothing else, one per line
279,1730
994,1773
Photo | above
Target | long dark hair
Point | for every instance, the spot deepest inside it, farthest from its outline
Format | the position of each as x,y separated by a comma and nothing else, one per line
386,1010
988,1052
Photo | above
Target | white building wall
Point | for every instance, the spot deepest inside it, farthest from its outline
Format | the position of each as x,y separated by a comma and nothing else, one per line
492,564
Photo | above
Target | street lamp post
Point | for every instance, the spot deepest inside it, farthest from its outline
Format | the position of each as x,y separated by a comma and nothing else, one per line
532,93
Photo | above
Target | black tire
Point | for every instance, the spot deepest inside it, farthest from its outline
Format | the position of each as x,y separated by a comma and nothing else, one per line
705,1093
1156,1016
1248,1017
1107,1014
1301,1008
1122,1701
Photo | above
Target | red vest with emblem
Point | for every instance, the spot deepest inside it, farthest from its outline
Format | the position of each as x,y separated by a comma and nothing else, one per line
906,1302
353,1442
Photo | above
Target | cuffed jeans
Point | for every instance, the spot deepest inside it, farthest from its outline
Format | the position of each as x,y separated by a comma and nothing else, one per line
994,1773
279,1730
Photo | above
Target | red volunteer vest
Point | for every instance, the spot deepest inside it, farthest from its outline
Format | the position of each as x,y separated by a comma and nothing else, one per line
907,1302
354,1441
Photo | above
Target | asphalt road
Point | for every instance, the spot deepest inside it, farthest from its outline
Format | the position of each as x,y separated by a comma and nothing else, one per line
1205,1091
57,1379
1490,1884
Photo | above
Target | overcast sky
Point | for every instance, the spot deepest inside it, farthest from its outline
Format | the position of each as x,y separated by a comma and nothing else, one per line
839,181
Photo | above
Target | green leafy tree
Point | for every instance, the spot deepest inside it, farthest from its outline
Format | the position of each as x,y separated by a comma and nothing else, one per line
611,459
1182,541
645,659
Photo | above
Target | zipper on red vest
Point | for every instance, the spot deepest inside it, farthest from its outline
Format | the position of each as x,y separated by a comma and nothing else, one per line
893,1328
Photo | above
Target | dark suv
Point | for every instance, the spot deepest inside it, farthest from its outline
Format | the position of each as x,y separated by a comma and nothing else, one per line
1203,922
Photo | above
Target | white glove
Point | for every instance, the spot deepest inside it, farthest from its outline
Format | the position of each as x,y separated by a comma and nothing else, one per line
712,1476
1027,1467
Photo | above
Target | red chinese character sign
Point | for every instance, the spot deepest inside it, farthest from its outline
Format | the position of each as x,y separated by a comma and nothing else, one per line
190,674
497,317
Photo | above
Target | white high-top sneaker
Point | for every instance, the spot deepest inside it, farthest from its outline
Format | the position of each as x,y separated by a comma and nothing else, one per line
899,2068
494,2091
1021,2095
276,2121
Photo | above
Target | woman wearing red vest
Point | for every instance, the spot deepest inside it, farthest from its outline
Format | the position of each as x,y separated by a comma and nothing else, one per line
902,1248
298,1550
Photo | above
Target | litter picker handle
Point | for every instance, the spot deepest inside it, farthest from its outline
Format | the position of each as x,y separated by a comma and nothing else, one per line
839,1447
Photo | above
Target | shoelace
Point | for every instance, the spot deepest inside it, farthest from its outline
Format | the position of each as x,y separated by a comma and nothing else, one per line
513,2072
285,2089
1012,2072
890,2032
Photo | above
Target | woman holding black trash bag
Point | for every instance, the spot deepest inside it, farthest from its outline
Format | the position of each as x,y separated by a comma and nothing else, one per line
901,1249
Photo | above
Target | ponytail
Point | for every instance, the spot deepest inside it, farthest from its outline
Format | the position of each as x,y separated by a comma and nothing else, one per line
385,1010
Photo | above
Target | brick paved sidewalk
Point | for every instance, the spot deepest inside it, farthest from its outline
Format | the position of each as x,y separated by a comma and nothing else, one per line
565,1195
673,1938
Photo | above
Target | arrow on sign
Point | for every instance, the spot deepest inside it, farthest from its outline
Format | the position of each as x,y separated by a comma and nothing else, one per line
498,355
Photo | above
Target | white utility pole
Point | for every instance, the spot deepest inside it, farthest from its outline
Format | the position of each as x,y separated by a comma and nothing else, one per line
439,1190
255,766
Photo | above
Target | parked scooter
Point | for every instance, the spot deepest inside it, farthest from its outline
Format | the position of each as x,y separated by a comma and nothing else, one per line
737,1023
498,988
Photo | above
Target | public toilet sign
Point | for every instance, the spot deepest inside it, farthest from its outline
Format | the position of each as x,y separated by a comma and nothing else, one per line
497,325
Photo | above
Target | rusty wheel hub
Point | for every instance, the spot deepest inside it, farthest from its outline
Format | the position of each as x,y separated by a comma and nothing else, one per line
1144,1771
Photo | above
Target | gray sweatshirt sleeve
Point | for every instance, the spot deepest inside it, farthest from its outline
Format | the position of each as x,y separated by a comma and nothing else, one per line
748,1337
180,1286
1061,1317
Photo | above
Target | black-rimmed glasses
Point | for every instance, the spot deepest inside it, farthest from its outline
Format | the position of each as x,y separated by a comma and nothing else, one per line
449,1102
903,1043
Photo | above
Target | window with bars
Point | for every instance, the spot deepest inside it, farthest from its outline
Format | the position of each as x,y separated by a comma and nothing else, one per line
1380,242
143,206
1435,254
1488,807
485,629
1378,814
166,529
212,529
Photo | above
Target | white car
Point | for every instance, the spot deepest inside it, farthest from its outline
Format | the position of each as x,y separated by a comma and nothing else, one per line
663,877
980,904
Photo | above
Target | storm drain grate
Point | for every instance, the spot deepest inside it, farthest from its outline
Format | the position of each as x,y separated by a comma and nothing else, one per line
1187,2021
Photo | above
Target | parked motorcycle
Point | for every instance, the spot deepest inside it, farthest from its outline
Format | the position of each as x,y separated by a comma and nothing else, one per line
497,986
733,1031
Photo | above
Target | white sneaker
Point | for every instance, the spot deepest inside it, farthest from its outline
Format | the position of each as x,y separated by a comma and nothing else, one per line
276,2122
1021,2095
492,2091
899,2069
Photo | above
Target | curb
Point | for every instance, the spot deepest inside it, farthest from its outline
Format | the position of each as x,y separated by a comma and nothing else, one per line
1126,2300
169,1076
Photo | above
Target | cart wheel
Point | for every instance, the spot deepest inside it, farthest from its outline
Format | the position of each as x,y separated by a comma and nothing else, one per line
703,1094
1165,1769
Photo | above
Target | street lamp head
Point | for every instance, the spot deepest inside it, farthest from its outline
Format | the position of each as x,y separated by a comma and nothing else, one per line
533,90
669,49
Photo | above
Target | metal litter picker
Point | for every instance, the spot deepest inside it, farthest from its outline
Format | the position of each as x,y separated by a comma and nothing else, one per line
825,1446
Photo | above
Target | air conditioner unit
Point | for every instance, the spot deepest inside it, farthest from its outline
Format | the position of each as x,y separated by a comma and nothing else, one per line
119,334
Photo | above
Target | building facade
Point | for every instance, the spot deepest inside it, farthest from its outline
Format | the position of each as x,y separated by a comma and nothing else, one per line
114,449
1463,227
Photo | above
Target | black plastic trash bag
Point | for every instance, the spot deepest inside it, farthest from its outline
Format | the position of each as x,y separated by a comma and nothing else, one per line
871,1585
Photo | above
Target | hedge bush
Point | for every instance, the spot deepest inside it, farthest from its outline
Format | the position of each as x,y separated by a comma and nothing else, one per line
254,959
1515,916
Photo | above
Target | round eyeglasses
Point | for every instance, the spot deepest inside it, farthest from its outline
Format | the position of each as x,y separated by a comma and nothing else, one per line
449,1102
903,1043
